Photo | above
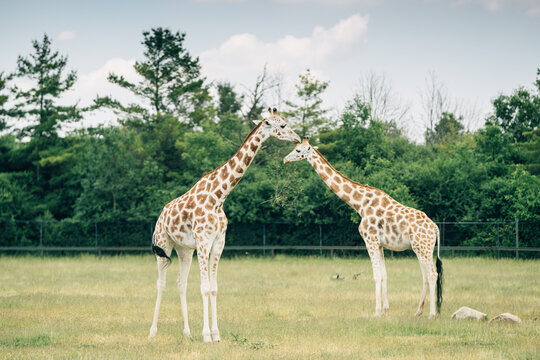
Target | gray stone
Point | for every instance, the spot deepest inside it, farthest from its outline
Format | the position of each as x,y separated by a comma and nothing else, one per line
506,317
465,312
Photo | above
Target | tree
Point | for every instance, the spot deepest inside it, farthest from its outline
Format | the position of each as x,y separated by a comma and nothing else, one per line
519,112
308,115
36,107
170,82
255,96
3,101
446,130
376,91
230,125
356,112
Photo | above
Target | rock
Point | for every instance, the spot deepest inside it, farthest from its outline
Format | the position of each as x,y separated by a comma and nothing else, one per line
465,312
355,276
506,317
338,277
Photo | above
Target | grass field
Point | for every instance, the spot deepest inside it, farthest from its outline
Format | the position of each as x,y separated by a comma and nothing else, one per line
286,307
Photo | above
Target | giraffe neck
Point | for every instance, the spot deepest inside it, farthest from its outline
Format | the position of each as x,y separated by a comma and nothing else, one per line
353,193
225,178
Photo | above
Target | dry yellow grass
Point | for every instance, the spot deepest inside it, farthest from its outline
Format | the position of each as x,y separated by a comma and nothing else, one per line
287,307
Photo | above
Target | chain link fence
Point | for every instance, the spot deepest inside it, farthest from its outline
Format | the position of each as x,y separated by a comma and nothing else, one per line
494,238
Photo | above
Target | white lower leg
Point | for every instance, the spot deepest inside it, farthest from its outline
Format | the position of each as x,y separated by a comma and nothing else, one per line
432,312
160,288
424,291
422,298
183,303
185,259
213,304
383,284
384,295
206,328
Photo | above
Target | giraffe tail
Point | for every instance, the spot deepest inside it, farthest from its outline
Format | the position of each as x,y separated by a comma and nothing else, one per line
159,251
438,264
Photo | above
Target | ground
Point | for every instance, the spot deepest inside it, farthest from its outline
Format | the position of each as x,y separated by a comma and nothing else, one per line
286,307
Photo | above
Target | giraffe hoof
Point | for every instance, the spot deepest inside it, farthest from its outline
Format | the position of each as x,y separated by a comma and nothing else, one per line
153,332
216,337
207,338
418,313
187,334
431,316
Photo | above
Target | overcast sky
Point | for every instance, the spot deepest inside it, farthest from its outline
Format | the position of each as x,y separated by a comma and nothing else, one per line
477,48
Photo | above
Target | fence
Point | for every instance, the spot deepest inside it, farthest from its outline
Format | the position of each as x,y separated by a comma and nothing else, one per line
495,238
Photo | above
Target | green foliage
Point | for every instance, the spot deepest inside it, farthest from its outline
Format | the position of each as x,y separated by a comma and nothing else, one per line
447,130
518,113
170,82
37,105
307,115
125,174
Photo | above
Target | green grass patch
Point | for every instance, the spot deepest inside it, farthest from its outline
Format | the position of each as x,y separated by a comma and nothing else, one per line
286,307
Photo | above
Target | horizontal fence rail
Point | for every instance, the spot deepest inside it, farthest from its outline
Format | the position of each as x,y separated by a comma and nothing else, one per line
492,237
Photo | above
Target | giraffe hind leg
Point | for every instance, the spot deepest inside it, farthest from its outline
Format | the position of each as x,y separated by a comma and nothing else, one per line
424,291
162,265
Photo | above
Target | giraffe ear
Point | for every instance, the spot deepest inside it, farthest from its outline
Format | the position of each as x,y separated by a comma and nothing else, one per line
315,147
256,122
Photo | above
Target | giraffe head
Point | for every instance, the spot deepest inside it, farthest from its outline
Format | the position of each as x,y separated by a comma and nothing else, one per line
302,151
276,126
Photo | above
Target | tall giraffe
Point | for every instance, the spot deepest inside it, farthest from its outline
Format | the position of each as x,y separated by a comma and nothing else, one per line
196,220
385,224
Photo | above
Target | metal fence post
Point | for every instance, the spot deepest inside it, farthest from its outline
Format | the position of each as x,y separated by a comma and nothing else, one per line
517,239
41,238
320,239
98,251
264,241
498,242
442,240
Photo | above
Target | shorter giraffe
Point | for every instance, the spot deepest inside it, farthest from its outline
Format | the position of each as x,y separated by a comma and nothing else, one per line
385,224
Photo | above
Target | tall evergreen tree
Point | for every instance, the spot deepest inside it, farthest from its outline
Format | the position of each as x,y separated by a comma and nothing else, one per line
446,130
36,108
3,100
170,82
307,115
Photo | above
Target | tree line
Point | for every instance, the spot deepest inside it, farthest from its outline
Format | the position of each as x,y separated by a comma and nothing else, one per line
179,126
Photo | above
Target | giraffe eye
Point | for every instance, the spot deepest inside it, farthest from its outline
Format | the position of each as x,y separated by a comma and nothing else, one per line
283,126
267,122
297,150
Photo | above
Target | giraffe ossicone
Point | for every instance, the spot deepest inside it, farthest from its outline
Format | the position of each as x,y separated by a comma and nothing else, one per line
196,221
385,224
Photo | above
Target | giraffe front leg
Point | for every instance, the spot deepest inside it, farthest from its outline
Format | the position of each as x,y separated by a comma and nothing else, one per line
214,260
203,249
376,263
386,305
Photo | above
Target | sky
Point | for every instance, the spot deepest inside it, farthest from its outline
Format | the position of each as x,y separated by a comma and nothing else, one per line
476,49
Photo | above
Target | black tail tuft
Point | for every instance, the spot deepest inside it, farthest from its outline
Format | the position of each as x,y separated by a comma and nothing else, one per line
160,252
438,264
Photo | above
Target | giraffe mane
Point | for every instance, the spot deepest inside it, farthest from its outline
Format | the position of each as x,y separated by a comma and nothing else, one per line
346,178
241,146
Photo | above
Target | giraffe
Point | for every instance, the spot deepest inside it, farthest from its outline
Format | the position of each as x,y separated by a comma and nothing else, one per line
385,224
196,221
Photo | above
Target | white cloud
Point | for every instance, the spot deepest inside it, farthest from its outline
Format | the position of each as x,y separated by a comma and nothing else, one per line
89,85
243,56
67,35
